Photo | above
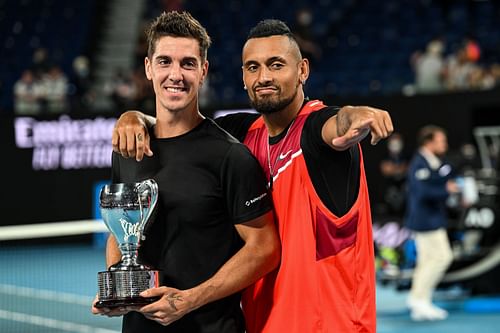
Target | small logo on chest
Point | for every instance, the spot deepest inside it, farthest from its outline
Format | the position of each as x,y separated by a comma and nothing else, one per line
282,156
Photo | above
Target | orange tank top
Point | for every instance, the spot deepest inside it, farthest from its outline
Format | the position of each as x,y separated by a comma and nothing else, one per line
326,279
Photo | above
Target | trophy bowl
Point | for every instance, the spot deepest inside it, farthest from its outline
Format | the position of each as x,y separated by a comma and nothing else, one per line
126,209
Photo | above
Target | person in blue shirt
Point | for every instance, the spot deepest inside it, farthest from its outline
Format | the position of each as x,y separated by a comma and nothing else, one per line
429,185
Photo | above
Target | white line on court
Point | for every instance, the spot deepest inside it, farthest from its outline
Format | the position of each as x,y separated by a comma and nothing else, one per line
47,295
39,230
52,323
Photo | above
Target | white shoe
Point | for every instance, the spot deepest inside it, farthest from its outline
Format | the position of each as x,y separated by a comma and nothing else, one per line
424,310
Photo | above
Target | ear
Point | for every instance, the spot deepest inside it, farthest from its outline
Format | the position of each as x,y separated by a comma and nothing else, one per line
147,68
303,70
204,70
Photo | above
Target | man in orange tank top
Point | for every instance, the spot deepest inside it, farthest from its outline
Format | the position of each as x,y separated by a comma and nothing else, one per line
311,155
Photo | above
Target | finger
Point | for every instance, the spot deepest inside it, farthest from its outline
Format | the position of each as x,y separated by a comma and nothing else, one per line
117,312
388,123
350,138
152,292
147,145
340,143
362,124
385,124
130,144
139,147
149,309
377,132
114,141
122,143
384,129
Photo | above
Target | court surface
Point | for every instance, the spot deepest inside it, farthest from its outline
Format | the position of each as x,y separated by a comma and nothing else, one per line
49,289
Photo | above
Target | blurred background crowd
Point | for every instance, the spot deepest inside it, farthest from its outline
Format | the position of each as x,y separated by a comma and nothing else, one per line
65,56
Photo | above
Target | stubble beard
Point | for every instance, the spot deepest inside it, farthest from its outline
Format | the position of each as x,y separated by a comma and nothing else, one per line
267,105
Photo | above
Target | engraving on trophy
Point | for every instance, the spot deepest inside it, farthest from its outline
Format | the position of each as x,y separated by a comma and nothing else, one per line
126,209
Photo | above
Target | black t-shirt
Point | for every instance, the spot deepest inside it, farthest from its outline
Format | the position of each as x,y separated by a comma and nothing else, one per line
334,174
208,182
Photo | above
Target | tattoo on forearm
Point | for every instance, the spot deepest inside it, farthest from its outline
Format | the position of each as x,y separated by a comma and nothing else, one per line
171,298
343,123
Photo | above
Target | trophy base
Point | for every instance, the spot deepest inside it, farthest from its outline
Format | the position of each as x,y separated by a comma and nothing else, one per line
117,303
122,288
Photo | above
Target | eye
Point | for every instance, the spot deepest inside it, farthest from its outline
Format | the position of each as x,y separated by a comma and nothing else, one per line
189,64
276,66
252,68
164,62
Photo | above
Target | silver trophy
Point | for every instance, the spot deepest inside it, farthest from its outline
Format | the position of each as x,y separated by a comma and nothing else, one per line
126,210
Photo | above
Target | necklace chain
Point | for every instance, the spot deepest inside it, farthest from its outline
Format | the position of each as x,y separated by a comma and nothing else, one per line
271,167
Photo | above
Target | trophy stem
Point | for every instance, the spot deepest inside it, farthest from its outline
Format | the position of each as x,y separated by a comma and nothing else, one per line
129,254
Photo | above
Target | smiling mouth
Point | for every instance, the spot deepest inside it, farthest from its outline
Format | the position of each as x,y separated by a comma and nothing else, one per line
265,90
175,89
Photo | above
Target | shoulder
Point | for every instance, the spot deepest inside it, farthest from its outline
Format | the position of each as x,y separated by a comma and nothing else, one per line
237,124
419,169
418,159
225,142
215,131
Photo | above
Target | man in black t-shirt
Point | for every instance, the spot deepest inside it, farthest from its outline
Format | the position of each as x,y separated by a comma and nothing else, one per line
213,233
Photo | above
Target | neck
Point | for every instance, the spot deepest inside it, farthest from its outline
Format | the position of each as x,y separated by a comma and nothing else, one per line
277,122
427,150
174,123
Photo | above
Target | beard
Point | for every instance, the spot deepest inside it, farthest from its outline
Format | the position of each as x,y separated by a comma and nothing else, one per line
267,105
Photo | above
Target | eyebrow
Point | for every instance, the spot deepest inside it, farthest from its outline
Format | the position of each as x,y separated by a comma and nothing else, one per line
268,61
165,57
276,58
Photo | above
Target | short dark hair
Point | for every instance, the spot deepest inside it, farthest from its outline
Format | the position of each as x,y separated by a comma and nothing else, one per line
177,24
426,134
270,27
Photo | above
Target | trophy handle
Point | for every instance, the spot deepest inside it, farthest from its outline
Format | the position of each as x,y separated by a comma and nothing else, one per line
145,186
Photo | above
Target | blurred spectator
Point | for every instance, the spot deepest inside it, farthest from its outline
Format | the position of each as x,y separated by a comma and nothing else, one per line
124,90
27,95
484,78
145,97
82,96
393,168
303,32
40,62
461,66
429,68
55,89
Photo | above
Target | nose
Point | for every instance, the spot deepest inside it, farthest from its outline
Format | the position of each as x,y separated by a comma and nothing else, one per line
264,75
175,73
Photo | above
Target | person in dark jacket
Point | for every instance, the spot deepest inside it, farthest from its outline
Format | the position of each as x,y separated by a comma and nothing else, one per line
429,185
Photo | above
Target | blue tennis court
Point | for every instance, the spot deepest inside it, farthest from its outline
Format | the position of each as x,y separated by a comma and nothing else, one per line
49,288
